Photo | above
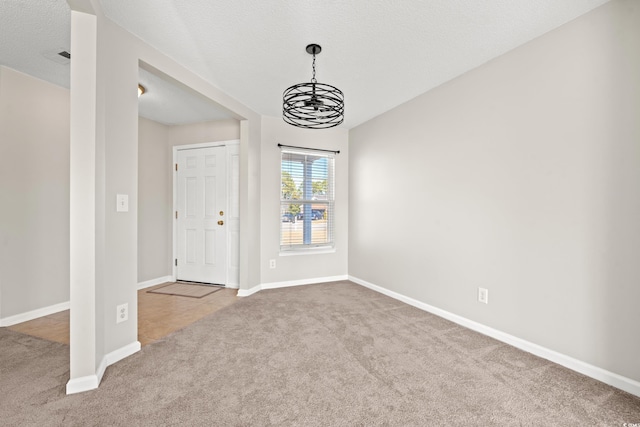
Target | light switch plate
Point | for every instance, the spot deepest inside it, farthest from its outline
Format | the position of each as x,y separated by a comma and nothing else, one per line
122,203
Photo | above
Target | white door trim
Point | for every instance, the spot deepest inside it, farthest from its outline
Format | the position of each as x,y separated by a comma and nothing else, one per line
175,150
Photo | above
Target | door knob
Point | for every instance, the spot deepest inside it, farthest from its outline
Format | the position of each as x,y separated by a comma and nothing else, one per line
220,222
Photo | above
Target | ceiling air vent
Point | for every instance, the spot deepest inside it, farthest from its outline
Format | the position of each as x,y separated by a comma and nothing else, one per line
59,55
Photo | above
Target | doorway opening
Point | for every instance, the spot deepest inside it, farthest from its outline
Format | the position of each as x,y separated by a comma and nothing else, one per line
175,118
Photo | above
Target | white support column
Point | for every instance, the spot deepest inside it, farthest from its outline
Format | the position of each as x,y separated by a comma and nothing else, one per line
83,239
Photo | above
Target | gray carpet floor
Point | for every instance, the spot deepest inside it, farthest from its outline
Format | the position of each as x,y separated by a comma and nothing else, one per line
332,354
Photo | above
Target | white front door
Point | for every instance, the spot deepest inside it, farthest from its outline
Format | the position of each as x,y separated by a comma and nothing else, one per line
201,215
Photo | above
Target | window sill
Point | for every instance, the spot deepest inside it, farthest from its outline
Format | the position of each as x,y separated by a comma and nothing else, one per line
317,251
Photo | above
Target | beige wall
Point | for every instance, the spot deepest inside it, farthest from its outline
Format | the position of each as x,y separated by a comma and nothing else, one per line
154,201
520,176
34,188
198,133
300,267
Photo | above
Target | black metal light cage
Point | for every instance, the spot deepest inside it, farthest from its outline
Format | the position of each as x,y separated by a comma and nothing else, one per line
313,105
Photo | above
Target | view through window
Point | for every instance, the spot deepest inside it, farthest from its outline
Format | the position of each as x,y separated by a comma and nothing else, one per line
306,200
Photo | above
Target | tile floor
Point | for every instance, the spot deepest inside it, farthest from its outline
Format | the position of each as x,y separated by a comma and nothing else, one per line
158,315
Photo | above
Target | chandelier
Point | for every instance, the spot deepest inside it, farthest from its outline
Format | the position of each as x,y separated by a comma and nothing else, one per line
313,105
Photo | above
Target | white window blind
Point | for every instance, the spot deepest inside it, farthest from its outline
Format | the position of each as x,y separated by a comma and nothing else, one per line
306,200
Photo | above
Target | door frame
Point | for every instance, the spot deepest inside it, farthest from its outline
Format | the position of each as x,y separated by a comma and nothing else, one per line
233,284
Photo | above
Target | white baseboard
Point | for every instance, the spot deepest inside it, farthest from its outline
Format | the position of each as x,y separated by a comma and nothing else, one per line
275,285
607,377
153,282
34,314
91,382
116,356
250,291
78,385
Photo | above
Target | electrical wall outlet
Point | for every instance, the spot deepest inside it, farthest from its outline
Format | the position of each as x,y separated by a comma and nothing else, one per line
272,263
122,313
483,295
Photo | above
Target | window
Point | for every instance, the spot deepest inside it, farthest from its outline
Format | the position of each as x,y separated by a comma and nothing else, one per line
306,200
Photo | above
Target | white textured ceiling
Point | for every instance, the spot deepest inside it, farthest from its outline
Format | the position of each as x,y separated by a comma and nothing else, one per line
380,53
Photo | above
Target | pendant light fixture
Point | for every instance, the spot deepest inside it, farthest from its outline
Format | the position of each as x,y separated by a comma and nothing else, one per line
313,105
